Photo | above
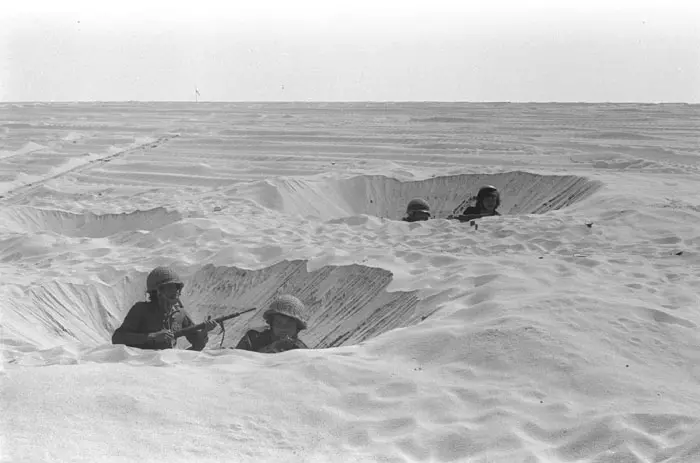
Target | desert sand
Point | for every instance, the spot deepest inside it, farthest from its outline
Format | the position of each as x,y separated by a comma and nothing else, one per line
564,331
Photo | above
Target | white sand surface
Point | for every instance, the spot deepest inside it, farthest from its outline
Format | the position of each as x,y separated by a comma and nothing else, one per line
564,331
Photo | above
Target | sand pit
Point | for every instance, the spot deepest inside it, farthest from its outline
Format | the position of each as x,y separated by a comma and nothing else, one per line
347,304
381,196
19,219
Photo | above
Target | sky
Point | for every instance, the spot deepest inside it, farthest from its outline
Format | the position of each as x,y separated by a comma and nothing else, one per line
360,50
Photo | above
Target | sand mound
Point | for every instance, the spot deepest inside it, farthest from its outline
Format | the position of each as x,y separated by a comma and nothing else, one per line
21,219
521,193
347,304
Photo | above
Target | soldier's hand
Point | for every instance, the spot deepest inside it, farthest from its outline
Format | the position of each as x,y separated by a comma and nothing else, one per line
269,349
280,345
161,336
285,343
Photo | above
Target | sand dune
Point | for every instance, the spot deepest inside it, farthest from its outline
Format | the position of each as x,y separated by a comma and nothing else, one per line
565,330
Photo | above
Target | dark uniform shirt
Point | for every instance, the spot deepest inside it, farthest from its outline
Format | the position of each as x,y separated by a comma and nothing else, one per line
257,340
148,317
473,213
472,210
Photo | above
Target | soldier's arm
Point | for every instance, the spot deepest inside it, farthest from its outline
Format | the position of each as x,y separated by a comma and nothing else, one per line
246,343
128,333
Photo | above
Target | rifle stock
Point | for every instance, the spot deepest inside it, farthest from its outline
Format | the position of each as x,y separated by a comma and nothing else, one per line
219,320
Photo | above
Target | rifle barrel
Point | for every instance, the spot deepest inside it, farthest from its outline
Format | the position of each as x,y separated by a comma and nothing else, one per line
199,326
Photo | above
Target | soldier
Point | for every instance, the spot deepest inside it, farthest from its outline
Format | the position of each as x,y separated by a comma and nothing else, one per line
487,202
285,317
417,210
151,324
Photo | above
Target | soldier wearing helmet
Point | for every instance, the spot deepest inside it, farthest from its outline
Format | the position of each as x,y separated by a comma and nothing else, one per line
151,324
488,199
285,316
417,210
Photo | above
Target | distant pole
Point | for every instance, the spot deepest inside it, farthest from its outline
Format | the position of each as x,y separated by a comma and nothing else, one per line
196,95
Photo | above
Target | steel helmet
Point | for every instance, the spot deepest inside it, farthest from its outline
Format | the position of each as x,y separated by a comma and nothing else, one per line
287,305
487,189
160,276
417,204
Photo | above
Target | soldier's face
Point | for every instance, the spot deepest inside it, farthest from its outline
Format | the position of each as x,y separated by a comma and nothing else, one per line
490,201
169,291
283,325
419,216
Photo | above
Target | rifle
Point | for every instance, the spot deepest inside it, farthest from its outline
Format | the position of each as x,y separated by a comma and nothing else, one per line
219,321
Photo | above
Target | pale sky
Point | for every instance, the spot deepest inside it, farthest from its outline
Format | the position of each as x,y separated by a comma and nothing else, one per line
359,50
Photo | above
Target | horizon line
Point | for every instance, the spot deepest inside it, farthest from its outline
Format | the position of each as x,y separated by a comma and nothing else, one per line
354,102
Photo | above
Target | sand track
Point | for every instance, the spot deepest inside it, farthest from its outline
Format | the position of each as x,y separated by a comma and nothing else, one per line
17,194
